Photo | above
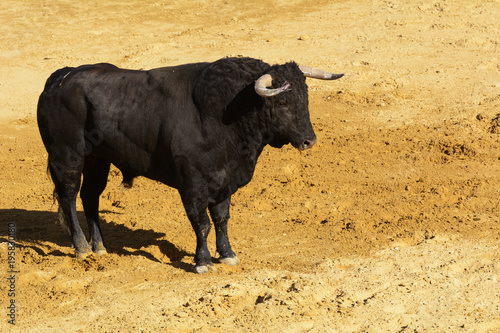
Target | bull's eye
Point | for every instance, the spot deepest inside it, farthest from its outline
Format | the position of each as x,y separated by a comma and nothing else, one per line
282,103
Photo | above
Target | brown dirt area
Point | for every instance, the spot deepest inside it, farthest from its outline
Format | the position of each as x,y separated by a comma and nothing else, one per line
389,224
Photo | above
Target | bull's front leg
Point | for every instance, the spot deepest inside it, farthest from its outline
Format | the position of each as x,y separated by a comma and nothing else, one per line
220,217
197,214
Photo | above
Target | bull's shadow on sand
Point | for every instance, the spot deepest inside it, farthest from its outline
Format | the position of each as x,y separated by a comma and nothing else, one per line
34,228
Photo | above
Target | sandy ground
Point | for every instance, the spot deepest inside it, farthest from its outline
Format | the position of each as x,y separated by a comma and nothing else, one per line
389,224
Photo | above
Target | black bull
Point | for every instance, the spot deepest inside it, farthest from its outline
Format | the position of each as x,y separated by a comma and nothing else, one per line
199,128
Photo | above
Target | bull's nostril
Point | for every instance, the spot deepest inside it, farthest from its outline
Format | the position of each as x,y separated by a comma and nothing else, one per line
308,143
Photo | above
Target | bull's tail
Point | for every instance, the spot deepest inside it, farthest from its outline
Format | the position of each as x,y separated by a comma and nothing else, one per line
57,77
61,219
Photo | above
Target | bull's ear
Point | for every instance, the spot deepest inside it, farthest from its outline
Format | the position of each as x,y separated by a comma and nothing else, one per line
245,102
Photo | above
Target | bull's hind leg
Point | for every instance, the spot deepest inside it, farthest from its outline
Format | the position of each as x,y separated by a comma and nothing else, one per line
220,217
66,174
95,177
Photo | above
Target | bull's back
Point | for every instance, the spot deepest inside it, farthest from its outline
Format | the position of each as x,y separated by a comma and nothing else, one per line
56,78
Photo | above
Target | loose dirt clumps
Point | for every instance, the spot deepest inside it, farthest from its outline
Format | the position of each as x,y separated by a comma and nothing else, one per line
389,224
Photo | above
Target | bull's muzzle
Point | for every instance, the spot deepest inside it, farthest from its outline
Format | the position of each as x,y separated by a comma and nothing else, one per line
307,143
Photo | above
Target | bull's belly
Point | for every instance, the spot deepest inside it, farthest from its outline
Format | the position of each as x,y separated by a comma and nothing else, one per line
134,162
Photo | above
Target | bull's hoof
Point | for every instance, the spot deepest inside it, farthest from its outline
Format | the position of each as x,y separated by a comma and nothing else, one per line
230,260
82,255
202,269
99,249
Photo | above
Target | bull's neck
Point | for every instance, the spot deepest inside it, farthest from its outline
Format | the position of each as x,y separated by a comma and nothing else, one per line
253,133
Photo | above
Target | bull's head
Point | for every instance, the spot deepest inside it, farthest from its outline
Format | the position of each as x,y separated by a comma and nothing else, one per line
285,89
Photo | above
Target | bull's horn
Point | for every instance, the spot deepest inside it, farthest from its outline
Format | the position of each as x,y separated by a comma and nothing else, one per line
265,81
319,74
